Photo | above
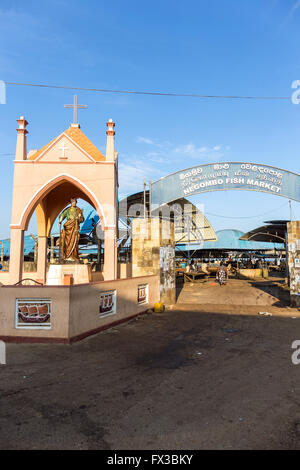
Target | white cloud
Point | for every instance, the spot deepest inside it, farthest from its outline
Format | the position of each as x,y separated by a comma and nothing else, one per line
290,15
156,157
293,9
133,174
192,151
164,145
163,158
144,140
165,150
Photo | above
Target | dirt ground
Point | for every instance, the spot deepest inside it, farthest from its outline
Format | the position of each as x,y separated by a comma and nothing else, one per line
211,373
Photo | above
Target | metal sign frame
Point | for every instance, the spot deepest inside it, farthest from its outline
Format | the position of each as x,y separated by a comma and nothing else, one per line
225,176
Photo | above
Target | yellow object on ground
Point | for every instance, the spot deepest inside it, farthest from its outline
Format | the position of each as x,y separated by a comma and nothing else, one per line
158,307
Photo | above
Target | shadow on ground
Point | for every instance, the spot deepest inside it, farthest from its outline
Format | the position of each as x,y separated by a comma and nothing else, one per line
183,379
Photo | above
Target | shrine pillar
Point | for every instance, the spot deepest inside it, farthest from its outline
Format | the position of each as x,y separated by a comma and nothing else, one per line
17,234
110,255
16,255
42,259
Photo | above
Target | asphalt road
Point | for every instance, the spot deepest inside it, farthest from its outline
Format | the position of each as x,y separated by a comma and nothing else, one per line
183,379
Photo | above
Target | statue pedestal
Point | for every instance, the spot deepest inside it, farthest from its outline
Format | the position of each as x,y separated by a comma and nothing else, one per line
82,274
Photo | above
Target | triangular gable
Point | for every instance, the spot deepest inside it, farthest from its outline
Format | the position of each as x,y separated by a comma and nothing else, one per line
74,137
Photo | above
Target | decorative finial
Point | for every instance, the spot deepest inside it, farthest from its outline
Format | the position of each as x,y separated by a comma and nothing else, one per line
110,124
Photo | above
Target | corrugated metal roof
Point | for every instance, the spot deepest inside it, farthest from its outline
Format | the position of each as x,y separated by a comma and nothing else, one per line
229,239
267,233
190,223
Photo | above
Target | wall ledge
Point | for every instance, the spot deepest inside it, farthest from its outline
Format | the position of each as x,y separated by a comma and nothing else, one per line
73,339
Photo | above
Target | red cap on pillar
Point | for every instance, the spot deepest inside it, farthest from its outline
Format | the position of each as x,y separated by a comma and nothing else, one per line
22,125
110,124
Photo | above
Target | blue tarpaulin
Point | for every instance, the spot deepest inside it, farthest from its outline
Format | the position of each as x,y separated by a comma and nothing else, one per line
86,228
28,245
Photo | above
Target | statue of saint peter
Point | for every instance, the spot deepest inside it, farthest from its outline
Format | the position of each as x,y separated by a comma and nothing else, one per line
69,235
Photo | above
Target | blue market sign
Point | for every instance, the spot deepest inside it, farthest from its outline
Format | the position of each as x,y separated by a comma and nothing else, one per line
223,176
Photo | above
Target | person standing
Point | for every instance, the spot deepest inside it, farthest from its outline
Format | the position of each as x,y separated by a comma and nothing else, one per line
221,274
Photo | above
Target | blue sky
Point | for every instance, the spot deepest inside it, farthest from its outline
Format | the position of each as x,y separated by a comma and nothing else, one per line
247,47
